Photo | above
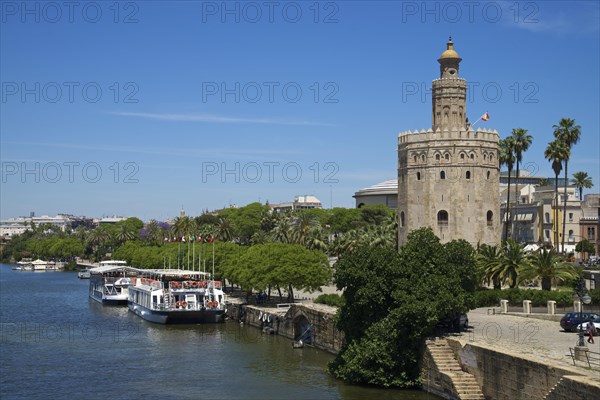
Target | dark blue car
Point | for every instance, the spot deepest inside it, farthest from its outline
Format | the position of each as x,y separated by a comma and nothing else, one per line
571,320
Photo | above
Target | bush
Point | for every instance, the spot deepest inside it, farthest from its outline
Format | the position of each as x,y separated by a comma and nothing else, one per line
333,299
539,298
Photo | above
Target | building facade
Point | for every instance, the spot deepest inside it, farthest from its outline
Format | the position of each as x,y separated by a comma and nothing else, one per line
448,176
385,193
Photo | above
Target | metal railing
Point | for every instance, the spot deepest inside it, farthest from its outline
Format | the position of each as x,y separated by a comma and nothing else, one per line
592,357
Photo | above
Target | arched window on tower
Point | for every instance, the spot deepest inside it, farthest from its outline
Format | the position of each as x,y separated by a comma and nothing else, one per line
442,218
468,175
437,157
442,174
488,174
418,176
462,156
447,157
490,218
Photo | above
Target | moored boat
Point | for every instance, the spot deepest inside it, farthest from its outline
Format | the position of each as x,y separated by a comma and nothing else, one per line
177,297
84,274
109,283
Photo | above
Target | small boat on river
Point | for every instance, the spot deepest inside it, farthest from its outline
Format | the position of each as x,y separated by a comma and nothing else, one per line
109,283
177,297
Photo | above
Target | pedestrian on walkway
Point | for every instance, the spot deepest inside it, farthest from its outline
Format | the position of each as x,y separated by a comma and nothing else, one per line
591,328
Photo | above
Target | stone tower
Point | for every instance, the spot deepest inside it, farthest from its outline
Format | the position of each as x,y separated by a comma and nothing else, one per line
448,176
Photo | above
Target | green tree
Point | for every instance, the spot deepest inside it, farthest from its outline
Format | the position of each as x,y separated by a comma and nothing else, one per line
581,180
279,265
392,302
568,132
512,260
507,157
585,247
488,260
547,267
556,152
521,143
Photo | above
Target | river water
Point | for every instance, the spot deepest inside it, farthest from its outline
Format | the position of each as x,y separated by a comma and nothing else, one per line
56,343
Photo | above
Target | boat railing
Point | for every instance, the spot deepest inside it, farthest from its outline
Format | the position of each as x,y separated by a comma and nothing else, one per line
149,282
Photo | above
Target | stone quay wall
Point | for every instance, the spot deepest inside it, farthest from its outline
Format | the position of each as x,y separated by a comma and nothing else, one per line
503,375
291,322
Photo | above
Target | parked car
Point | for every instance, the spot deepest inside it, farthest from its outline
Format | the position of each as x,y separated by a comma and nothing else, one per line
457,323
596,323
571,320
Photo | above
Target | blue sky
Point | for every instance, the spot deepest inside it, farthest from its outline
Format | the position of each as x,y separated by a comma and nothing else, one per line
285,98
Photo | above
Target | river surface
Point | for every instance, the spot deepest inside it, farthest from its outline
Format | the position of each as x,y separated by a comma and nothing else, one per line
56,343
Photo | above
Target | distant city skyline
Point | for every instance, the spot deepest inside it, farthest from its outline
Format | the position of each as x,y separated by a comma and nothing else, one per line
142,108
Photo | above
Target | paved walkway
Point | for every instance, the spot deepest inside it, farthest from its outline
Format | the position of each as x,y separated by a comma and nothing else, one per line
529,336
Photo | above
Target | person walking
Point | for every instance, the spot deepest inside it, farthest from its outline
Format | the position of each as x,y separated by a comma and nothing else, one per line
591,328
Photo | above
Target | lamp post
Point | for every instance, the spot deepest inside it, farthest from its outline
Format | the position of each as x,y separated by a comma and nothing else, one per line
584,298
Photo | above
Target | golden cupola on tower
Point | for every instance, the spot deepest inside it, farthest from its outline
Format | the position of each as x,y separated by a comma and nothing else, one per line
450,52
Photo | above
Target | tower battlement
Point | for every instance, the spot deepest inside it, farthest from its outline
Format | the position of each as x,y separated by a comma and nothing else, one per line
445,134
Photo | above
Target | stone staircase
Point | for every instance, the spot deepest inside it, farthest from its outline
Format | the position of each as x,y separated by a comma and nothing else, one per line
465,385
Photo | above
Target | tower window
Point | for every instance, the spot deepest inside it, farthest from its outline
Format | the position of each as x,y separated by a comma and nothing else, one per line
447,157
437,157
547,217
442,217
402,219
416,159
490,218
443,175
488,174
418,176
423,157
468,175
571,235
472,156
462,156
484,157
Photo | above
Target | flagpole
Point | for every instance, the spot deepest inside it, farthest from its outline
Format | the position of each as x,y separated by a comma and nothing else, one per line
193,251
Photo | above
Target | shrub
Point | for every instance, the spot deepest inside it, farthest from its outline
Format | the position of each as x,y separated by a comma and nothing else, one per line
333,299
539,298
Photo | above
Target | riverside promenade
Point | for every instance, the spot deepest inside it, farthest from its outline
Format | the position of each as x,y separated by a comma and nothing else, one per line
528,336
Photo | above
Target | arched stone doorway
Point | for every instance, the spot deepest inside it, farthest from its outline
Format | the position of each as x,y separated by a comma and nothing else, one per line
303,329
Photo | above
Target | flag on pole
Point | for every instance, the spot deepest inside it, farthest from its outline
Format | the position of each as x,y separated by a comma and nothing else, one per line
485,117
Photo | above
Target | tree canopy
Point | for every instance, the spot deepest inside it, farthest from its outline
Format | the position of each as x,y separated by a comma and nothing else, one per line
394,300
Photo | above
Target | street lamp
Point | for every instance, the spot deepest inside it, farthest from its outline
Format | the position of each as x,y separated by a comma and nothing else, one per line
584,298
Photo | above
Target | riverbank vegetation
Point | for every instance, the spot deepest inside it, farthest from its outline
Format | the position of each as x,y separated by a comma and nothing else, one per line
394,300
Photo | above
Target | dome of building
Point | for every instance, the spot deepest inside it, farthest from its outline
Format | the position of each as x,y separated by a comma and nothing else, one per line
450,52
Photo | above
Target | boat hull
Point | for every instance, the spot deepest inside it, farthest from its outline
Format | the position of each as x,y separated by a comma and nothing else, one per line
205,316
109,300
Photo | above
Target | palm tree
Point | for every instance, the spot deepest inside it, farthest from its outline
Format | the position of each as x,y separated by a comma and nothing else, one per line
581,180
556,153
543,182
512,260
521,143
569,133
156,234
124,233
302,224
282,231
225,230
488,259
506,157
547,267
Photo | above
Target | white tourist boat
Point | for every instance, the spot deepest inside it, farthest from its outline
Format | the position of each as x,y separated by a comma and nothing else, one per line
177,297
109,283
41,265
